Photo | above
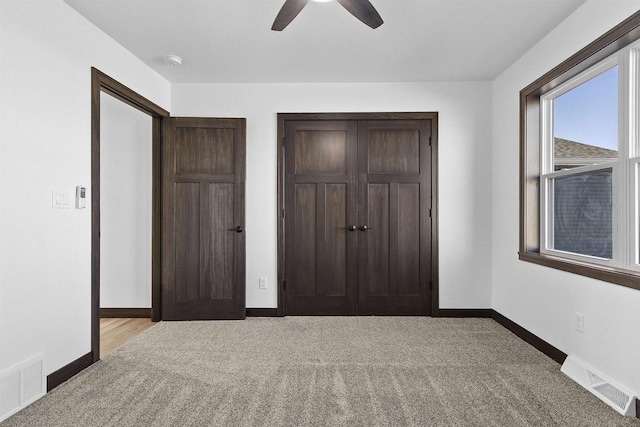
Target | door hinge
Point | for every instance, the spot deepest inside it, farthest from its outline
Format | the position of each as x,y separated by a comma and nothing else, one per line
284,141
282,213
430,212
429,141
284,285
431,285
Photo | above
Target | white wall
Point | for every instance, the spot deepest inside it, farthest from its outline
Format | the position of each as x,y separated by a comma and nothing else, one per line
541,299
47,50
464,167
125,205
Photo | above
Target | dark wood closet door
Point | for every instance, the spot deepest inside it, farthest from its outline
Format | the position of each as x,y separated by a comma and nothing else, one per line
203,251
320,200
394,235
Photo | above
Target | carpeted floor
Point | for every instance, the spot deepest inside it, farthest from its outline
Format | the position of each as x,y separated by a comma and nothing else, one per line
323,371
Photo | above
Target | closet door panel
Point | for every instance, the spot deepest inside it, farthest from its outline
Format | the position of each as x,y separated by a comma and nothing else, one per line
320,204
394,160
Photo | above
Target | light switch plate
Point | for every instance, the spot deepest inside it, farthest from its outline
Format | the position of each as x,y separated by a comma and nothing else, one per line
60,199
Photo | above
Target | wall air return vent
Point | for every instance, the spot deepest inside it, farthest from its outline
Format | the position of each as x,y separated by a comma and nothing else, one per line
22,385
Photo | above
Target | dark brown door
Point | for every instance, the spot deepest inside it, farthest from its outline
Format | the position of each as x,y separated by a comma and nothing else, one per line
320,232
394,192
357,217
203,252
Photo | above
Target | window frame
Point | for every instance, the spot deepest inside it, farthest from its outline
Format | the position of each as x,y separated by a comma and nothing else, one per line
634,150
617,167
625,273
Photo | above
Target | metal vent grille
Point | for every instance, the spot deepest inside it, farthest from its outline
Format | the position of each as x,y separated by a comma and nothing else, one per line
594,380
617,397
21,385
613,395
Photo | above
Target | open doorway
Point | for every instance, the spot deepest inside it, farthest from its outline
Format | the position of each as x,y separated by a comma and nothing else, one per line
130,227
126,202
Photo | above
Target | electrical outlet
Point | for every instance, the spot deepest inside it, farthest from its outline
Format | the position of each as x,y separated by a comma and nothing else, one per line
262,283
579,323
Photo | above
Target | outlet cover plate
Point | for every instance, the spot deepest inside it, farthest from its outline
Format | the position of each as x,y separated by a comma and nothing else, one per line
579,322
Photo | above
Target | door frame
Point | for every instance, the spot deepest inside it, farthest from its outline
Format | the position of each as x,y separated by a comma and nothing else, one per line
433,116
100,82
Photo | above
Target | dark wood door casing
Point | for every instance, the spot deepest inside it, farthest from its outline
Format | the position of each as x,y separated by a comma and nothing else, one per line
396,185
100,83
203,267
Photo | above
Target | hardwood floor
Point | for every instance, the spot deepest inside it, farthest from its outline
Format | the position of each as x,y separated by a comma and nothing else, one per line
116,331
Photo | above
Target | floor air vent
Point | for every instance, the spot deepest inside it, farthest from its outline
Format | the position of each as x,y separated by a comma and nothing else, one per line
612,394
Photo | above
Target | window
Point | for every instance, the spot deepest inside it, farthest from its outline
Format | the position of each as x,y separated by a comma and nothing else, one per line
580,161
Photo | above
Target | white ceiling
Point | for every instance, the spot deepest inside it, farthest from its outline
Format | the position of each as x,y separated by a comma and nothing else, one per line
224,41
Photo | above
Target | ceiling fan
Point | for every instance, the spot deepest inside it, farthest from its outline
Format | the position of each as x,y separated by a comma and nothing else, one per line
361,9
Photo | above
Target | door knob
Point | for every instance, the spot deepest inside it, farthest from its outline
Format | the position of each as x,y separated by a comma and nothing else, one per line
239,229
365,228
351,228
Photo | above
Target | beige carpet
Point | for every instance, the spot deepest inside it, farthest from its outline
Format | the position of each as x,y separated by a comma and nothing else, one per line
323,371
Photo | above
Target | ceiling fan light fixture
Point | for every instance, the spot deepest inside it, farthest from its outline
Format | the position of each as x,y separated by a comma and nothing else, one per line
173,60
363,10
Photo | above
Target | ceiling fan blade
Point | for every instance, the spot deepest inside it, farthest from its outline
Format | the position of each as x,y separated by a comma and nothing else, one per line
289,11
364,11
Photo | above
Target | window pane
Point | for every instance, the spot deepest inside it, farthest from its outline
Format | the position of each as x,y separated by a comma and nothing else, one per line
582,214
585,123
